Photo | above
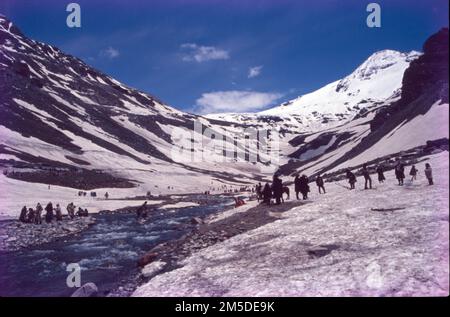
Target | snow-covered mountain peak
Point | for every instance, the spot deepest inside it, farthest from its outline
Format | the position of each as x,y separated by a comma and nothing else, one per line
375,80
383,69
382,60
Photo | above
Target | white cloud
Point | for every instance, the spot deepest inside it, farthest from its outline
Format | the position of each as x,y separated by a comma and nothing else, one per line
254,71
199,54
235,101
110,52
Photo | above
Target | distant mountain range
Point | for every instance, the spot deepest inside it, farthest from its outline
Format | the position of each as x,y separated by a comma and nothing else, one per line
56,111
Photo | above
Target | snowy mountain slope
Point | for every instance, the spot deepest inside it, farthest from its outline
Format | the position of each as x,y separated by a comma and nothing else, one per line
56,111
418,116
363,252
393,102
378,78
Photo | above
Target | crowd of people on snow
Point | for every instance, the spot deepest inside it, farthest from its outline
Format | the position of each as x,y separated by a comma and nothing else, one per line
30,215
301,182
265,193
277,189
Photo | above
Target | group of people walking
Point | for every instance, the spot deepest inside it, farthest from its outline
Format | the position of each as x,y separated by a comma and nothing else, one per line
301,183
276,189
30,215
399,170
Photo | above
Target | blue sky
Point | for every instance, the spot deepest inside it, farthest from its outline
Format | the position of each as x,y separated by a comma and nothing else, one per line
209,56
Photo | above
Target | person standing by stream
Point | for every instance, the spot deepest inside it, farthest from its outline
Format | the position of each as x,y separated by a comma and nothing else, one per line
23,214
38,217
49,213
58,212
141,212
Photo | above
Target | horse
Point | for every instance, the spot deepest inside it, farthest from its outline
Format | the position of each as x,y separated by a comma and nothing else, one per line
285,191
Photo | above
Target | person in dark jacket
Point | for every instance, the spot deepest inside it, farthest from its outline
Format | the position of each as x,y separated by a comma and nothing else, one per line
351,179
429,173
71,210
400,172
367,179
267,194
413,173
141,212
38,216
31,215
23,214
80,212
49,213
320,184
259,191
380,172
304,187
277,189
297,185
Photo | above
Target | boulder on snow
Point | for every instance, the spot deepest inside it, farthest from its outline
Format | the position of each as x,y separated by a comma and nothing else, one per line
87,290
147,258
70,229
153,268
322,250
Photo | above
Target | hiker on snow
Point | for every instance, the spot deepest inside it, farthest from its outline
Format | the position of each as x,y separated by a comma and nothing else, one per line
380,172
351,179
367,179
277,188
429,173
23,214
320,184
259,191
49,214
304,187
267,194
38,216
400,172
413,173
297,185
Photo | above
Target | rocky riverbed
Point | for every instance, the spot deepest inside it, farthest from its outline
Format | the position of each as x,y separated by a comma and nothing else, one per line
15,235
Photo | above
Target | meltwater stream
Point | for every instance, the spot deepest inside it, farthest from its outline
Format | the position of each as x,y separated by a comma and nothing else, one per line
107,252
